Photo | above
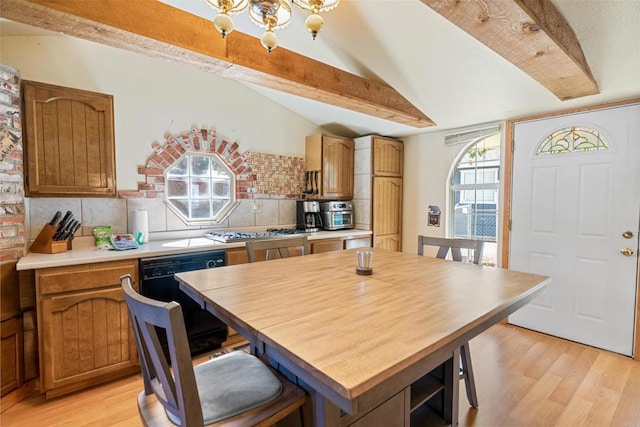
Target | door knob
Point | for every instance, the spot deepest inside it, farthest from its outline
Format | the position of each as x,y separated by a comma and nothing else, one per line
627,234
626,251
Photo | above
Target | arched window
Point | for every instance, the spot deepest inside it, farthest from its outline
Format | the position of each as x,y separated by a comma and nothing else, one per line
474,193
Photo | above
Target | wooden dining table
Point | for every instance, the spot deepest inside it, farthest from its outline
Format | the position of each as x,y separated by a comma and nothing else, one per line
371,350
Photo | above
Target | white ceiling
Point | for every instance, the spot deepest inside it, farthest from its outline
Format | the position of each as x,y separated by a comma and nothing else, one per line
443,71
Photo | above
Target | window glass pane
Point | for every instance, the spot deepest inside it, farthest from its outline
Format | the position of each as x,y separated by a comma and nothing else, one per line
220,189
200,166
218,204
200,188
200,209
179,168
182,205
177,188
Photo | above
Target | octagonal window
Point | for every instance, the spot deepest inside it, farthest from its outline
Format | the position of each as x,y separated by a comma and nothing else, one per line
200,189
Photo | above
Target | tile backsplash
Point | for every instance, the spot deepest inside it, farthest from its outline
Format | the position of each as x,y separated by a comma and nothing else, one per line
92,212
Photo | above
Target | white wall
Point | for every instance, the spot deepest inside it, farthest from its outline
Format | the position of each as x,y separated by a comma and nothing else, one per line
152,97
427,162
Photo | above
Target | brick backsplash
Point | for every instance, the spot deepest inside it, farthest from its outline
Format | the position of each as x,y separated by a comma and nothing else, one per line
12,222
258,175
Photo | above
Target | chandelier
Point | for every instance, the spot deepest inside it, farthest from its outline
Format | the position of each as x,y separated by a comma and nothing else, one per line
270,14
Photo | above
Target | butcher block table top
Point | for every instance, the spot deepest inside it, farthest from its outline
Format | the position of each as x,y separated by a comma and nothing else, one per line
352,334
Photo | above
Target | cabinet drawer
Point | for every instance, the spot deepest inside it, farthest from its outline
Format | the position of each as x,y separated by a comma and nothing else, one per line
326,246
85,277
359,242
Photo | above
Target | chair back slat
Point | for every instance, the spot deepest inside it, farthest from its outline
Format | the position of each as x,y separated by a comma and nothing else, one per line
171,379
276,248
446,244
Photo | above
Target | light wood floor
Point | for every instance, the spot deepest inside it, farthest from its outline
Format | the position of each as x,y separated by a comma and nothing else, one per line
523,379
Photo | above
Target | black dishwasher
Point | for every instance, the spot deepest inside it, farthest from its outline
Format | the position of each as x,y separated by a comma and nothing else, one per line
205,331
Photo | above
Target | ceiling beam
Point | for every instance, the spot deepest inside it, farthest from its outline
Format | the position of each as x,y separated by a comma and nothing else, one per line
532,35
158,30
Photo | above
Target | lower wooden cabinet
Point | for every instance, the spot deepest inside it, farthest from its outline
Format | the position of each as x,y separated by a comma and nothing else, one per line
239,255
84,331
329,245
12,373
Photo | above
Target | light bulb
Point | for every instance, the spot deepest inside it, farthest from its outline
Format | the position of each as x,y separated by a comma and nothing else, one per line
223,24
269,40
314,24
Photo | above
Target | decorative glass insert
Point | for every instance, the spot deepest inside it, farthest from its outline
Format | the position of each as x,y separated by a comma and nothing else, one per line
200,189
572,139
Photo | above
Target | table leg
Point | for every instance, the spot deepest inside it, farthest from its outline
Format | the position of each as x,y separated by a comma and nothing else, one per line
452,388
325,412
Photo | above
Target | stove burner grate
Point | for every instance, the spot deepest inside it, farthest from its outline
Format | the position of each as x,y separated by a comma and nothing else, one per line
232,236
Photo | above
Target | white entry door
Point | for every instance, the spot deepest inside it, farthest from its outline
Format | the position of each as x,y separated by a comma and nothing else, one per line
573,211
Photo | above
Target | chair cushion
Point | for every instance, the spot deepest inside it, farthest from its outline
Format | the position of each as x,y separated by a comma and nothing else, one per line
234,383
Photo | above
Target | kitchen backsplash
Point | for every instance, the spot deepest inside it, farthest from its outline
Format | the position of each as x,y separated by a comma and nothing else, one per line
115,212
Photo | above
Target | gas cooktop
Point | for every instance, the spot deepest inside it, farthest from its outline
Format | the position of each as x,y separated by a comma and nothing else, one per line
232,236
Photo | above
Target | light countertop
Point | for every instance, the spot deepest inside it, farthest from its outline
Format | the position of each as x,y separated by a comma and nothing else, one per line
85,252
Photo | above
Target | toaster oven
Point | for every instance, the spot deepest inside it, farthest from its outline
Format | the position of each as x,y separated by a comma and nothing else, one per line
337,215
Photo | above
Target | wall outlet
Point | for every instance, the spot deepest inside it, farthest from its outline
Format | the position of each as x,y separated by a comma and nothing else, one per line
257,207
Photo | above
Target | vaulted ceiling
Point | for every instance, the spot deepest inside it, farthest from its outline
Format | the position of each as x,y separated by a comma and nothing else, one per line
394,67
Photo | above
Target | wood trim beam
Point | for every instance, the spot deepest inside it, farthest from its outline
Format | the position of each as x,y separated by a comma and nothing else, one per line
532,35
158,30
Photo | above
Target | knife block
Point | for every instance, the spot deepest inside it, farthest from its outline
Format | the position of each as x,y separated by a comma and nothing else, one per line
45,244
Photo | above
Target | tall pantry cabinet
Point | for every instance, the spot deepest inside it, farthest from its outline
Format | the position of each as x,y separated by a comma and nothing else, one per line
377,194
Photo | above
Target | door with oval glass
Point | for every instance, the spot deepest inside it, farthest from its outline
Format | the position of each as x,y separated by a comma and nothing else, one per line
575,217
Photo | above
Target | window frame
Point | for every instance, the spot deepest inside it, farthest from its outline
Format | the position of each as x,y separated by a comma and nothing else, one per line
216,217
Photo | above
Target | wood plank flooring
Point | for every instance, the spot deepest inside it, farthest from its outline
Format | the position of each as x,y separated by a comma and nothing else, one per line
523,379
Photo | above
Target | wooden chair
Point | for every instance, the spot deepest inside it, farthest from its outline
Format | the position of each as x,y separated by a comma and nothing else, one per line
235,389
274,247
444,245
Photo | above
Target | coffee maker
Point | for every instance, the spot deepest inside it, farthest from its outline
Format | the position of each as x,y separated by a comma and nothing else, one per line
308,216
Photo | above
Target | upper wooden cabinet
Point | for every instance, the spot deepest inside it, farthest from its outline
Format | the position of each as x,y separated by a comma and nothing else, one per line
69,142
331,157
388,157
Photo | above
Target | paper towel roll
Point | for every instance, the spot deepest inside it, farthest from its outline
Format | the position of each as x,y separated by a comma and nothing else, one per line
140,223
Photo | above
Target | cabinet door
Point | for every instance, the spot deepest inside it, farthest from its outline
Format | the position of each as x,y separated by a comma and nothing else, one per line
12,372
86,338
387,212
237,256
69,142
83,325
388,157
337,168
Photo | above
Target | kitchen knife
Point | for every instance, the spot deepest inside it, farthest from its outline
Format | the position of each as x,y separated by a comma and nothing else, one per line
315,178
68,229
65,220
63,225
75,228
55,219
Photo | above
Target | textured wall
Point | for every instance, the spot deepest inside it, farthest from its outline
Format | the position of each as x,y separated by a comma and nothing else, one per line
12,228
